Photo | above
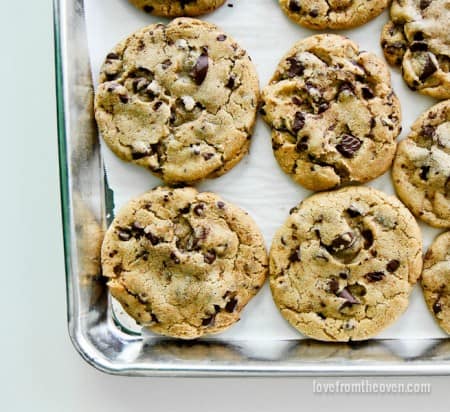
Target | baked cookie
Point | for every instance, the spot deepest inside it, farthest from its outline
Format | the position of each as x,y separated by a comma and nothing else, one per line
180,100
436,280
417,38
421,170
344,263
183,263
332,14
176,8
333,113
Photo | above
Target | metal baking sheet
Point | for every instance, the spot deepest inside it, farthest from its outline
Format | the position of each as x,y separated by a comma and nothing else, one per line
262,343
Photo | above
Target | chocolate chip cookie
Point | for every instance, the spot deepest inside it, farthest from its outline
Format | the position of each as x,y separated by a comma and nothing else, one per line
183,263
176,8
179,99
417,38
344,263
332,14
421,169
333,113
436,280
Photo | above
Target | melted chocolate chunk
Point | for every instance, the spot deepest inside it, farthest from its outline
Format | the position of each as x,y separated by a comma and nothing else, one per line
296,68
333,285
200,69
428,69
199,209
368,238
210,257
231,305
295,256
393,265
175,258
294,7
374,276
424,4
299,122
348,145
350,299
418,46
209,321
424,171
437,307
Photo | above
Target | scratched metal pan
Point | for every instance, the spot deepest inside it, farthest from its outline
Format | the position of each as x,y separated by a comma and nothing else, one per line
97,335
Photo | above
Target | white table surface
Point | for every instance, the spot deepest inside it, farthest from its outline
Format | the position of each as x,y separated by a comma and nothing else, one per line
40,370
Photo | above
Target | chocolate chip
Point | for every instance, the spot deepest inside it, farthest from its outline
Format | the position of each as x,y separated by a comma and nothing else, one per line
428,131
138,155
343,275
424,171
199,209
138,226
112,56
323,107
374,276
231,305
348,145
424,4
314,13
294,7
221,37
428,69
367,93
296,101
124,234
368,238
345,294
341,242
124,98
299,122
175,258
154,240
231,82
437,307
154,318
353,212
302,146
209,320
140,83
166,64
210,257
418,36
296,68
393,265
118,269
220,204
295,256
157,105
200,69
185,210
333,285
148,9
418,46
208,156
346,86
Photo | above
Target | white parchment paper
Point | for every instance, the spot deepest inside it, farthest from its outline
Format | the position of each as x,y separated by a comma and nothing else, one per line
257,184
